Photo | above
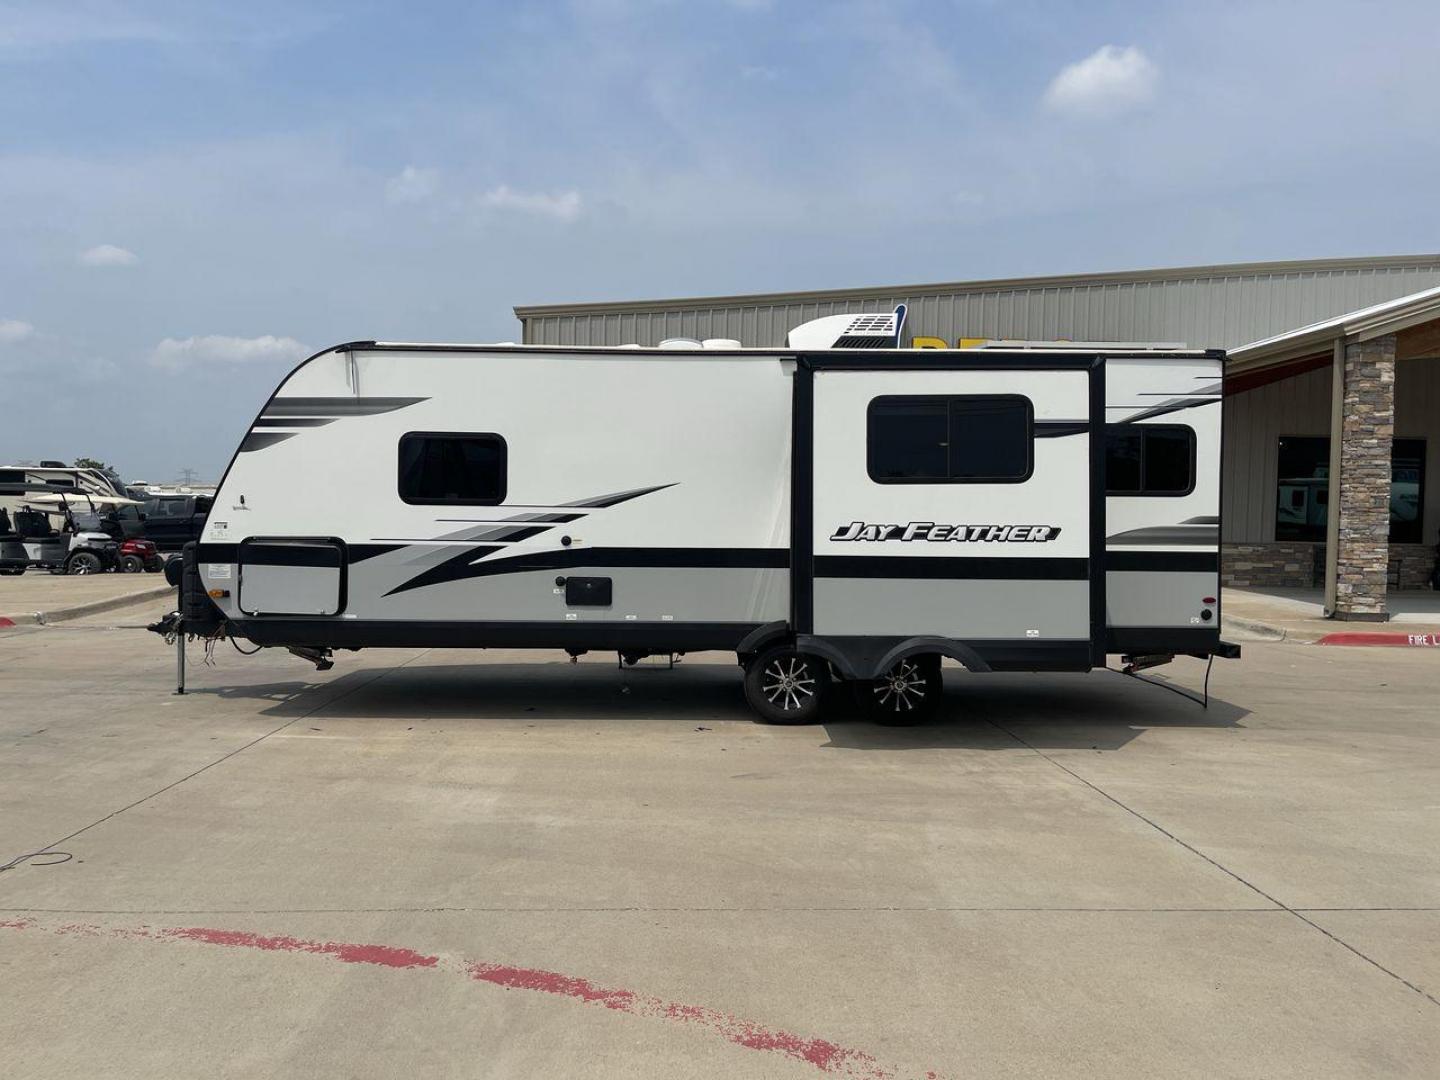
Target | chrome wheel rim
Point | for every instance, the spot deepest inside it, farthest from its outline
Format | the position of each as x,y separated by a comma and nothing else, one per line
788,683
902,688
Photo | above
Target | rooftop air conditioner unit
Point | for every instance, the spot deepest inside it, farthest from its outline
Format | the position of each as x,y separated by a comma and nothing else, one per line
849,332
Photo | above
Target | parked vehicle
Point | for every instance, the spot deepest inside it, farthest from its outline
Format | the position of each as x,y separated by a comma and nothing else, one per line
60,532
838,510
173,518
19,482
139,556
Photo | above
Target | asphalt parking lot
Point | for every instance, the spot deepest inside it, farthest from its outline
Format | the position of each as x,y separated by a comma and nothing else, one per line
433,864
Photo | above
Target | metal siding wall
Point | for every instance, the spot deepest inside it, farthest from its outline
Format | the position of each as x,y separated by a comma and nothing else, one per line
1224,309
1254,423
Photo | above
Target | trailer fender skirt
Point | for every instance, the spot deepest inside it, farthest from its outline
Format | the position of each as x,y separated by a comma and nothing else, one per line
865,658
761,637
962,654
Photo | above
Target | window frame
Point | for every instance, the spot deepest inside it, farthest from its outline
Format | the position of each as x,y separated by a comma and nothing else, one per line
949,400
504,485
1143,493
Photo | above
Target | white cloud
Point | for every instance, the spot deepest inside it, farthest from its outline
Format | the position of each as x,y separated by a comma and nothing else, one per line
13,330
412,185
1109,80
108,255
217,349
562,207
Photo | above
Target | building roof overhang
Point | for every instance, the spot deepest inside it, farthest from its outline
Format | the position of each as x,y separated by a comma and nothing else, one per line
1318,339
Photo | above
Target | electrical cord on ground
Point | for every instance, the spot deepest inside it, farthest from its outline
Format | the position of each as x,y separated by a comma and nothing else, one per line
56,858
1203,701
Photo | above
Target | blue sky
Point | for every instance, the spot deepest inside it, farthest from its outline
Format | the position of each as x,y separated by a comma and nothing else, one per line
193,195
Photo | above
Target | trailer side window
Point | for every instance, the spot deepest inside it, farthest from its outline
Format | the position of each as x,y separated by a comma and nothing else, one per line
1149,459
962,439
440,468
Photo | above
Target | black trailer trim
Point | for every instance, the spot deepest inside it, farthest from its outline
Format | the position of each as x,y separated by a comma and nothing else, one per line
435,634
563,558
323,553
1097,511
802,499
973,361
1192,640
953,567
1164,562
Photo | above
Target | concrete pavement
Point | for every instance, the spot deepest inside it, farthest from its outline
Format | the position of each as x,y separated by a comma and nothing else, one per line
618,874
1297,615
62,596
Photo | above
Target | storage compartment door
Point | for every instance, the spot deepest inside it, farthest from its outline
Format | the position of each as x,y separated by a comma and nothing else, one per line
291,577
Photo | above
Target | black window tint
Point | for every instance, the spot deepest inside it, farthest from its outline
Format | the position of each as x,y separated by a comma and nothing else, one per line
466,470
1149,459
166,508
908,439
1168,460
983,438
1122,461
989,438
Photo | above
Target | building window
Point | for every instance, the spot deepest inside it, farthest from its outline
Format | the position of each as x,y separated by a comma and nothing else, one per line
1149,459
972,439
445,468
1302,510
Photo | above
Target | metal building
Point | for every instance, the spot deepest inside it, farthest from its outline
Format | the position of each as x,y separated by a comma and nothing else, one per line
1334,375
1203,306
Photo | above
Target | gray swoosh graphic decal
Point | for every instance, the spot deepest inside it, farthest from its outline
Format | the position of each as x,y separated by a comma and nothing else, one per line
1188,535
337,406
259,440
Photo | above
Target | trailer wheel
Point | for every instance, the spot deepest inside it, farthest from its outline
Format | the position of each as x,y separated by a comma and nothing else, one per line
84,562
784,686
909,693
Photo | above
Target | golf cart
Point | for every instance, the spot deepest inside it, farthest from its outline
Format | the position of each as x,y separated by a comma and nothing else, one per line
80,544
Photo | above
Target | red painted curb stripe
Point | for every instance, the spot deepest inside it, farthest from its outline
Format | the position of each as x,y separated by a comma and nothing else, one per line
824,1055
1389,638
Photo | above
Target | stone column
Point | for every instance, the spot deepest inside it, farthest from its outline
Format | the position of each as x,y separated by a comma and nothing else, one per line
1360,524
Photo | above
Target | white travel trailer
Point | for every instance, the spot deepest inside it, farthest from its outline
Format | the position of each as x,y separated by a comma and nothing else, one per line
839,509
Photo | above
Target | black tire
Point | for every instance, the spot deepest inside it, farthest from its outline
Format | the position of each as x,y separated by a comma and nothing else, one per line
84,562
785,687
909,693
131,564
12,571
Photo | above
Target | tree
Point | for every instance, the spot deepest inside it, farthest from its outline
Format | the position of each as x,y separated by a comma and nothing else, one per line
90,463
